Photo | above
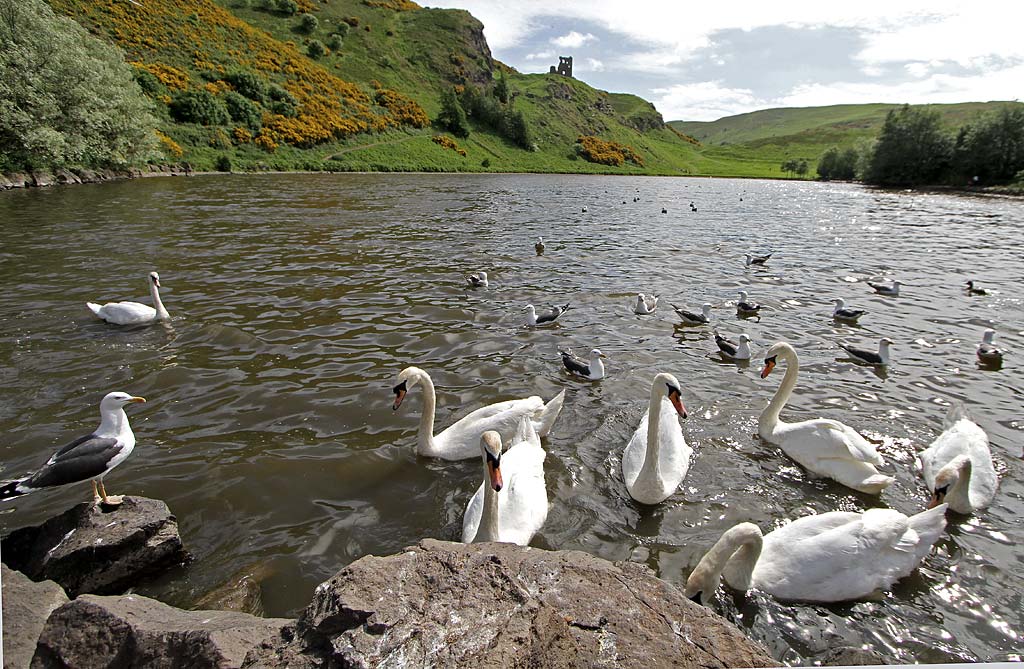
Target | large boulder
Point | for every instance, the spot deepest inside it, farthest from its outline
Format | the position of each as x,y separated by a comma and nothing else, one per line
501,605
26,607
136,631
103,550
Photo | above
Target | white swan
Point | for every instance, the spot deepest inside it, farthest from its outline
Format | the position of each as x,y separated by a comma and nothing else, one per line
511,503
657,457
958,465
133,313
824,447
460,440
832,557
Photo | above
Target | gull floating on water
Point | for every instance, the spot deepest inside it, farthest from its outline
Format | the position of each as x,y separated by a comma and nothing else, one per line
841,313
544,319
133,313
987,351
870,357
973,290
584,210
88,457
539,245
753,259
731,350
746,308
592,370
478,280
886,288
690,318
645,306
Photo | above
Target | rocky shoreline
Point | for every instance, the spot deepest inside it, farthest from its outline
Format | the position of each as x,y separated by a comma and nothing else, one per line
81,175
433,604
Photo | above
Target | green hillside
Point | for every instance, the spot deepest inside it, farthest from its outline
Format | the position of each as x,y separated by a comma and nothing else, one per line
759,141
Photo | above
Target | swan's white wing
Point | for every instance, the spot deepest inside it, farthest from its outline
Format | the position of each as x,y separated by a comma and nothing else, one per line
126,313
964,437
524,499
462,439
474,511
838,556
829,448
856,445
635,453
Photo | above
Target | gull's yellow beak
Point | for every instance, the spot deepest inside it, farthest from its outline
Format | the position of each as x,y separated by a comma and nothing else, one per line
137,400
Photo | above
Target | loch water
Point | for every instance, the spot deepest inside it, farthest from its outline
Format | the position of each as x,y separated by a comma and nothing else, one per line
296,300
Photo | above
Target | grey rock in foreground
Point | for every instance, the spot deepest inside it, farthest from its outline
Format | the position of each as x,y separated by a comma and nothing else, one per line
500,605
89,548
27,605
135,631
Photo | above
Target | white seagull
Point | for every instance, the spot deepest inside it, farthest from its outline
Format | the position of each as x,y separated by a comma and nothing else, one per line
88,457
745,307
690,318
870,357
592,370
133,313
544,319
731,350
892,289
841,313
478,280
987,351
829,557
644,305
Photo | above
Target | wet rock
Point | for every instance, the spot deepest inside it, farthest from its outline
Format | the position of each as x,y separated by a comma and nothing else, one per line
848,656
66,177
90,548
19,180
43,178
241,592
500,605
135,631
26,607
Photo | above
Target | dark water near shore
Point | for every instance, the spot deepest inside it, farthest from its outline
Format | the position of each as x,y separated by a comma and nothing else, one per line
296,299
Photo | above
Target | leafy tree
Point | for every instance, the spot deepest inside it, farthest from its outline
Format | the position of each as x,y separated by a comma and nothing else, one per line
453,116
802,167
66,98
316,49
243,110
515,128
993,148
912,149
249,84
308,24
289,7
501,89
335,42
789,165
199,106
283,102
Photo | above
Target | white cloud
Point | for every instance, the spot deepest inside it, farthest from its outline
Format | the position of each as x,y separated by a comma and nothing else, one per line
594,65
704,101
573,40
541,55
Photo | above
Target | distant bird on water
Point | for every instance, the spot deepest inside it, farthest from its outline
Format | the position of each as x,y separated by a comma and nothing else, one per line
870,357
753,259
584,210
134,313
690,318
731,350
841,313
593,370
478,280
544,319
987,351
88,457
974,290
645,306
745,307
891,289
539,245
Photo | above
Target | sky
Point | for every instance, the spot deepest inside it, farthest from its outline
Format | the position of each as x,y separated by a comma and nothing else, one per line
702,61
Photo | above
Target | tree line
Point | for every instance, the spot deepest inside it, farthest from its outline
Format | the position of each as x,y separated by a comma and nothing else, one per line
913,148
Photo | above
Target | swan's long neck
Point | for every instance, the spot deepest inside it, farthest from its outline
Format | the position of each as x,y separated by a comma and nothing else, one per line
161,312
770,416
959,495
425,438
737,553
488,528
651,471
114,423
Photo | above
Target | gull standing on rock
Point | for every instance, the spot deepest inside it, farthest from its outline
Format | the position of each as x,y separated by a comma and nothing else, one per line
88,457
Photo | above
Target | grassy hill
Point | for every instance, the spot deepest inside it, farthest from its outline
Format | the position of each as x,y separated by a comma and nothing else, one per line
759,141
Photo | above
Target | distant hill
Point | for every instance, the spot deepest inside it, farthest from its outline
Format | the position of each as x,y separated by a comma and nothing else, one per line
767,137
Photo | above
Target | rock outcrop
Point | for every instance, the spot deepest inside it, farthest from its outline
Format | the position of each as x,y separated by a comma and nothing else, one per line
27,605
135,631
500,605
90,548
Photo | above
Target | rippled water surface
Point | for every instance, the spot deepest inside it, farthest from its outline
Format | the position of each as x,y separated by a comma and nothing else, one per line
297,299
